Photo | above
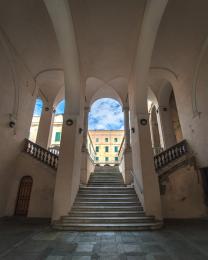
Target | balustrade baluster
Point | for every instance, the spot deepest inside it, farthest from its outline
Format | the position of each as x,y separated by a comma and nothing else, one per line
170,154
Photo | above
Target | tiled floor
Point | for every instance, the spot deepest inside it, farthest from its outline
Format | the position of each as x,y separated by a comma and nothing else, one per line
184,242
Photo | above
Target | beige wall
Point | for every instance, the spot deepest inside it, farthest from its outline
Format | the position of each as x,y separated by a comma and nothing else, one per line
41,200
17,98
183,197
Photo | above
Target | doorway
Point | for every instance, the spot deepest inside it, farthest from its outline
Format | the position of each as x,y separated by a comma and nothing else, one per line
23,196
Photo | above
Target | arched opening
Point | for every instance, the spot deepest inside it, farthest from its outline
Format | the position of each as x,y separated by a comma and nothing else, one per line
106,130
169,124
175,118
36,120
23,196
154,130
56,130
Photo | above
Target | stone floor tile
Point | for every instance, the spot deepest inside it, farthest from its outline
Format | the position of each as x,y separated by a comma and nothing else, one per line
108,248
132,248
51,235
85,247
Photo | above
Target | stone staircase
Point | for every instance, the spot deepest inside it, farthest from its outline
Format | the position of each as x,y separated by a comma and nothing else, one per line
106,204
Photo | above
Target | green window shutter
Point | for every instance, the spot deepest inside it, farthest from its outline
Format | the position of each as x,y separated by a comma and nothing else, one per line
58,137
116,149
116,158
106,159
97,148
106,149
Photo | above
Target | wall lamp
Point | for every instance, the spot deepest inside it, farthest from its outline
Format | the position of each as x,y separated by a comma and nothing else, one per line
12,124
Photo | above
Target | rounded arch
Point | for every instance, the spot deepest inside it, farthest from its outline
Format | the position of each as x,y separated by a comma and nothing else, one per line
56,126
38,109
97,89
107,92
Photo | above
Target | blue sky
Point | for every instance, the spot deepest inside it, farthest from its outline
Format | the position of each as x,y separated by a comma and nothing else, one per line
39,105
60,107
106,114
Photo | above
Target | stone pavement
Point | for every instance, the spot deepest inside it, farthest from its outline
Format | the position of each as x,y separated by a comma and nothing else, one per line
28,242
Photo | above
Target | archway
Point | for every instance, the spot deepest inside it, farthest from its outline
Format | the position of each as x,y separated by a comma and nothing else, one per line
175,118
169,119
56,129
23,196
154,130
106,130
36,119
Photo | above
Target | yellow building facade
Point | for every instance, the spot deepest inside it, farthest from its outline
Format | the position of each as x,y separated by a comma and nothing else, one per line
106,144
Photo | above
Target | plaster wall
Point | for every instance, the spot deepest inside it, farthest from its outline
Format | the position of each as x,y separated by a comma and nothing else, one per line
183,197
41,200
17,101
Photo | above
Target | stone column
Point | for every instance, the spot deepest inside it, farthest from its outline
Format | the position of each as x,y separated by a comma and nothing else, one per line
165,126
128,178
68,173
85,153
45,127
145,177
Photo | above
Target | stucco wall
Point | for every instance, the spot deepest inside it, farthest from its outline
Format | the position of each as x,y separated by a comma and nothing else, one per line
183,197
41,200
17,98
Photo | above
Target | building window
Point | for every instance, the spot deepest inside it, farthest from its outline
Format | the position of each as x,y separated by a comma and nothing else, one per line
106,159
116,159
58,137
97,158
97,140
97,148
115,140
115,149
106,139
106,149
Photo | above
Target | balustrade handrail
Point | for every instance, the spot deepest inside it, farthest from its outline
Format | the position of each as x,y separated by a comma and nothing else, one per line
135,178
41,154
121,146
171,154
91,143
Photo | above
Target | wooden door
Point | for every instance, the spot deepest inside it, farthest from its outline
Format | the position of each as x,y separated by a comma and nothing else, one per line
23,197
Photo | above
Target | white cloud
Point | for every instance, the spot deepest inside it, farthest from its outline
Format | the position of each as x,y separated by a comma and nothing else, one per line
106,114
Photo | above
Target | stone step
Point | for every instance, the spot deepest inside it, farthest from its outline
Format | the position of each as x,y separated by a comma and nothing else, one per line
107,195
77,213
98,199
108,203
107,208
106,180
105,183
109,185
102,220
105,188
109,191
109,227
